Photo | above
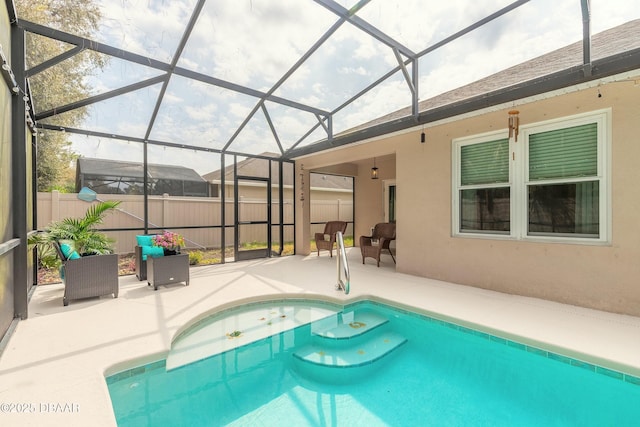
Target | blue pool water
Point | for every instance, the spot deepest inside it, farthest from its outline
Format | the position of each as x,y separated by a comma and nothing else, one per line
333,372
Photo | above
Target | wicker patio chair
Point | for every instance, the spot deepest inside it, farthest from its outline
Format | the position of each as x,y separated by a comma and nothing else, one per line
88,276
142,250
141,263
326,239
372,246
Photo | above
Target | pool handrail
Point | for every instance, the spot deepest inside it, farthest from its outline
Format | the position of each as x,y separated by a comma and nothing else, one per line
343,266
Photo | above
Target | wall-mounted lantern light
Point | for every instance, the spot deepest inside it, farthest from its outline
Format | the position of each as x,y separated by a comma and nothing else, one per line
374,170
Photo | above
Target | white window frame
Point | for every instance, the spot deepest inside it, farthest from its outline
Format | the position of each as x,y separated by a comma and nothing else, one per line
519,179
457,184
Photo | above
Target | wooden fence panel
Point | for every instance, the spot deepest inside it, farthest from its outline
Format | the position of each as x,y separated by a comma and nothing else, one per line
187,211
330,210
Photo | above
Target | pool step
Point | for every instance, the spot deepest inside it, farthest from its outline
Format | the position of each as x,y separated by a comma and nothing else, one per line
351,356
351,325
252,323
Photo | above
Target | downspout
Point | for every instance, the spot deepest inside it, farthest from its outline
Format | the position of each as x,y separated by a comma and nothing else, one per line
586,36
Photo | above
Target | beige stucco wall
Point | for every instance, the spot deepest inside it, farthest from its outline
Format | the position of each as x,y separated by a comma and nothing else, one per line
599,276
369,198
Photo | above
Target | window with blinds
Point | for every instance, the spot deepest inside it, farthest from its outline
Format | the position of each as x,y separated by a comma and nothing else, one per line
551,185
564,153
484,196
563,196
485,163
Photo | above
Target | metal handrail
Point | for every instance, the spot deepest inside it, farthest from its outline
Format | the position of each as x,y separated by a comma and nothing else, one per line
343,266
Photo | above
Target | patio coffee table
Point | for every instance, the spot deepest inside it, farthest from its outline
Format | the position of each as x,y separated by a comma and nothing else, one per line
168,269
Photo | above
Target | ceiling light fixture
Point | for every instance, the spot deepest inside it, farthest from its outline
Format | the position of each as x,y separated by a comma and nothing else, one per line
374,170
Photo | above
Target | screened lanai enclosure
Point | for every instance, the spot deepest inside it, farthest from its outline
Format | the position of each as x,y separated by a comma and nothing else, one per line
186,81
192,87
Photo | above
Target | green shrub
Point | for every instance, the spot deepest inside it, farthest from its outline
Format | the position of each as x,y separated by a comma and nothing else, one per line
195,257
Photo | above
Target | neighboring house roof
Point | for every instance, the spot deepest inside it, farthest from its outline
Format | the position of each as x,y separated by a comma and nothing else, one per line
259,167
104,167
249,167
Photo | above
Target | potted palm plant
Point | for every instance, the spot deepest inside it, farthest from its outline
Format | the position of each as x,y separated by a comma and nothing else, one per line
83,276
81,234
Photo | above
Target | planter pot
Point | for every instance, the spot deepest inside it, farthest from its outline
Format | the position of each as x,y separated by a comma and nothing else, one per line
168,252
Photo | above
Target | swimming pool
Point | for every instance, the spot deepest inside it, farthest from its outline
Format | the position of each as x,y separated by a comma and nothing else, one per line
370,364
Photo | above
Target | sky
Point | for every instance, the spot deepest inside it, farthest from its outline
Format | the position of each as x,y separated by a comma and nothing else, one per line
253,43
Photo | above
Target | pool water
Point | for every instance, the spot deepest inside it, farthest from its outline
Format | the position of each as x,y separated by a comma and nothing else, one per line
373,365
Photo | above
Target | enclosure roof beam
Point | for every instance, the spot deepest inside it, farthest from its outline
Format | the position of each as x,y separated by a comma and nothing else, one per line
103,96
350,15
478,24
93,45
609,66
242,125
245,90
273,129
403,64
54,61
302,138
128,138
269,95
176,57
118,53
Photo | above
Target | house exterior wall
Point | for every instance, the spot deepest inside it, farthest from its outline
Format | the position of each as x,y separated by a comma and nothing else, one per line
601,276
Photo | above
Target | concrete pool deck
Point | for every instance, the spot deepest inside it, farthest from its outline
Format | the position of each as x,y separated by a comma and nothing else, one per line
54,364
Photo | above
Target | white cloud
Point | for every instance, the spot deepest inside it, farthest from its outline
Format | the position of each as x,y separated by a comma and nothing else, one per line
239,111
361,71
149,27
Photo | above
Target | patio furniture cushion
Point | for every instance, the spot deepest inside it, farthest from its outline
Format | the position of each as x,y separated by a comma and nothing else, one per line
68,251
153,251
145,240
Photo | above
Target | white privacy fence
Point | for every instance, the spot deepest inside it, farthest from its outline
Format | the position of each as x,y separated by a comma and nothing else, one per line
173,212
